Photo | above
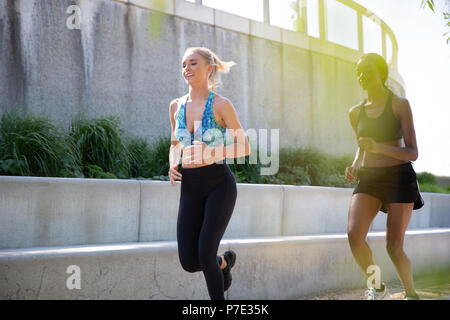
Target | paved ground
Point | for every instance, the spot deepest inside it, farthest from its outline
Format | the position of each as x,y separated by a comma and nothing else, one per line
431,287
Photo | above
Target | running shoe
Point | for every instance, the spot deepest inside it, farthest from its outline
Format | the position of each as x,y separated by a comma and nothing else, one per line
230,258
414,297
376,294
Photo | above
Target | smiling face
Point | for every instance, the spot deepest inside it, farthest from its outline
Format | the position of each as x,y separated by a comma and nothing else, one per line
368,75
195,69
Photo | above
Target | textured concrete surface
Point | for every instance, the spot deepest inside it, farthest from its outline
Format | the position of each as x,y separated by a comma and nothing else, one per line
267,268
125,61
433,286
36,211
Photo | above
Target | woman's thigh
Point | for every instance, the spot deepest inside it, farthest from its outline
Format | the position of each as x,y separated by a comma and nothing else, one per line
362,211
399,215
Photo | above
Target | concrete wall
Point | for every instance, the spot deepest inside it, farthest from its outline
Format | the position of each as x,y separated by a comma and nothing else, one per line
38,211
125,60
267,268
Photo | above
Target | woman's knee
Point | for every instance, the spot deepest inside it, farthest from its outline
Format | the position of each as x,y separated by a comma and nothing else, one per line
189,264
355,237
207,257
394,248
190,267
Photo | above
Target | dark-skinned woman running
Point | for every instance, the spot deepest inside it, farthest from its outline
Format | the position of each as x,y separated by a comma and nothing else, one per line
383,169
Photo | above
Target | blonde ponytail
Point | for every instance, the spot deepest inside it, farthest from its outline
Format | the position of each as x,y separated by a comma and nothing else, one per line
218,65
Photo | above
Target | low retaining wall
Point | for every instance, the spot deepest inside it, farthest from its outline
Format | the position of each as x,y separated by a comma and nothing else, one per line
36,211
283,267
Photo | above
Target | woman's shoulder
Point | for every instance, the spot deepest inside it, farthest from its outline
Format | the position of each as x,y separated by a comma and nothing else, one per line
400,105
173,106
174,103
399,101
220,100
221,103
354,110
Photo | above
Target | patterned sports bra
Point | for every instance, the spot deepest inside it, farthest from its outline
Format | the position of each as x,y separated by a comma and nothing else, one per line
210,132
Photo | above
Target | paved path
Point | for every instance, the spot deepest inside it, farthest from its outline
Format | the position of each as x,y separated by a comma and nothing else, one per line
430,287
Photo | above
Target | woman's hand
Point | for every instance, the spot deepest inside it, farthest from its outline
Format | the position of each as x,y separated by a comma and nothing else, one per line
368,144
174,175
350,174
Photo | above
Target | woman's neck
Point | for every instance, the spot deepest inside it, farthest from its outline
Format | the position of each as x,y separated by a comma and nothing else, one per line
198,93
377,94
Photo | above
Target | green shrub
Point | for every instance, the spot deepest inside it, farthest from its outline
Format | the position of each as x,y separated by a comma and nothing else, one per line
11,167
246,172
426,177
31,145
294,176
97,148
247,169
431,187
93,171
140,154
311,166
100,142
158,162
149,161
313,162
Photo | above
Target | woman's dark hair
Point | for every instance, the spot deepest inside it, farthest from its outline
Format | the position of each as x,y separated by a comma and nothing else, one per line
379,63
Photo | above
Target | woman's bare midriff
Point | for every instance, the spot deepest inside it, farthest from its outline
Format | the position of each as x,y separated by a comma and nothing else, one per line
190,166
194,165
380,160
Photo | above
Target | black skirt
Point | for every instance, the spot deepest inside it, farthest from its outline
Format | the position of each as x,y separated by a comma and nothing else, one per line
394,184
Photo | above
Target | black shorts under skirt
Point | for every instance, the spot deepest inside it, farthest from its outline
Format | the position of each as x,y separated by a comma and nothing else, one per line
394,184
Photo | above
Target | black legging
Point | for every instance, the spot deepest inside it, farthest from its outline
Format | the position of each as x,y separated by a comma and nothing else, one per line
208,195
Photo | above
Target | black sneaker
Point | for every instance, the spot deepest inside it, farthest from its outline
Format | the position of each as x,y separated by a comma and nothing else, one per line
230,258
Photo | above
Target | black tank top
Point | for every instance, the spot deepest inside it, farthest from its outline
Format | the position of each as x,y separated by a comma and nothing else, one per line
384,128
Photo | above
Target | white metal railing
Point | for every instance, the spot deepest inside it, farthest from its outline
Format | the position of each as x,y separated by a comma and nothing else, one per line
386,42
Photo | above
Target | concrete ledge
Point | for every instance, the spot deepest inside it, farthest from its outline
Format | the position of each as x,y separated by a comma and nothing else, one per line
36,211
267,268
440,210
265,31
232,22
258,211
156,5
192,11
159,210
311,210
296,39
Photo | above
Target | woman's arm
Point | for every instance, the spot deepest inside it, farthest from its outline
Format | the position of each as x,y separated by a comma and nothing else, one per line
410,151
358,158
357,161
240,147
175,146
